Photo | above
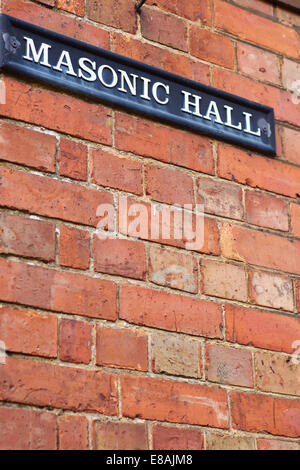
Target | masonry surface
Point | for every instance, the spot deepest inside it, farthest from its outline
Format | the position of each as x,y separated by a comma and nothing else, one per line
133,342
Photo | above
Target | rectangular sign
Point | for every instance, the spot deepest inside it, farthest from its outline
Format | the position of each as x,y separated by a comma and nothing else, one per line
31,51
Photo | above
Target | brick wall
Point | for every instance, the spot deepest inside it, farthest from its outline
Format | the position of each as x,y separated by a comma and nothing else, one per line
137,343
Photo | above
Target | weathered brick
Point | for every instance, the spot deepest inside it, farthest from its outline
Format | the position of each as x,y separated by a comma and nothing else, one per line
168,225
120,14
298,295
276,444
173,438
175,402
257,29
56,111
116,171
72,6
290,75
162,143
162,58
119,257
173,269
70,388
258,5
176,355
281,100
123,348
40,148
72,160
287,417
271,290
75,341
55,290
169,185
166,29
258,171
266,210
68,201
191,10
291,145
295,219
27,237
220,198
228,365
223,280
116,435
288,17
212,47
217,441
57,22
258,63
277,374
170,311
50,3
260,248
74,247
28,332
73,433
261,329
23,429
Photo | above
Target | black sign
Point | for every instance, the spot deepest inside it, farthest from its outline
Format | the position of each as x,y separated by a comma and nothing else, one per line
31,51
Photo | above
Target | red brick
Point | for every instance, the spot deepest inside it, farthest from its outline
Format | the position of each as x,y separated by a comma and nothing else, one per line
257,29
28,332
120,14
261,329
228,365
116,435
260,248
291,145
259,5
175,402
173,269
74,247
52,385
57,22
120,257
298,295
287,17
290,75
162,143
176,355
169,226
72,6
169,185
295,219
277,374
23,429
68,201
73,433
72,160
164,28
281,100
258,63
276,444
56,111
191,10
27,237
59,291
212,47
116,171
266,210
271,290
217,441
122,348
170,311
223,280
50,3
220,198
252,412
287,417
40,148
171,438
258,171
161,58
75,341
